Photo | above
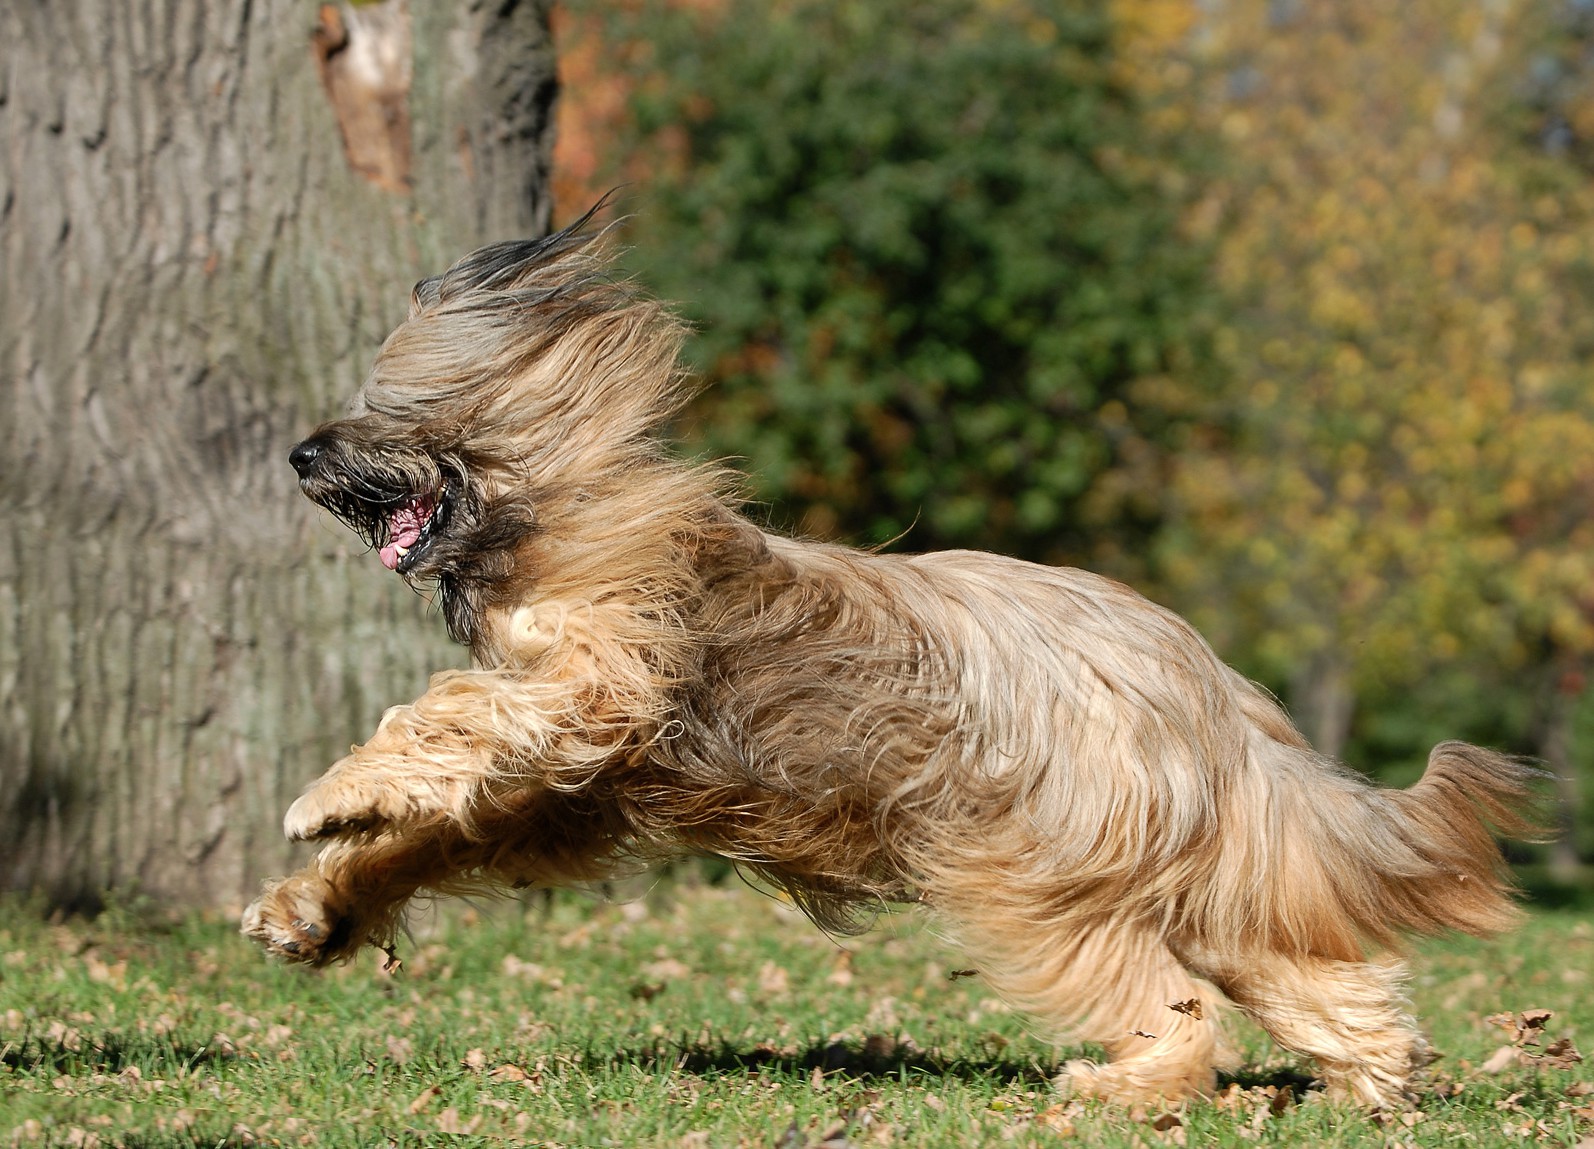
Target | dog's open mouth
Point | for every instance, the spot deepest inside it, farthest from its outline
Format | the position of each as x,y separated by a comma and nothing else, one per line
411,527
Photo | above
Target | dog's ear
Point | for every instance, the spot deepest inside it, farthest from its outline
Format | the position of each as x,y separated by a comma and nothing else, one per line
523,264
425,294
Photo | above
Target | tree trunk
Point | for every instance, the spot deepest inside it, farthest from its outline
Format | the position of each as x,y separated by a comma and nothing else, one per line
199,262
1556,724
1323,702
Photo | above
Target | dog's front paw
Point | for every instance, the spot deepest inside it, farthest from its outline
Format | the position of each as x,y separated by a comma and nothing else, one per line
300,919
335,806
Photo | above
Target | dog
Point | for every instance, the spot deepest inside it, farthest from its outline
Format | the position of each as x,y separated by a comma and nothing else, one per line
1115,826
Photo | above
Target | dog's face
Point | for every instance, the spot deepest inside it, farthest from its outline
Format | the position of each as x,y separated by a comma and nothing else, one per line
400,498
523,373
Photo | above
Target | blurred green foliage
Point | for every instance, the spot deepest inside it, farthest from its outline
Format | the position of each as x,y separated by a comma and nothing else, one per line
929,245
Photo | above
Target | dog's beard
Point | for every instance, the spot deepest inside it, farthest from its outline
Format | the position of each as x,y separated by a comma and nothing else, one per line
425,518
402,510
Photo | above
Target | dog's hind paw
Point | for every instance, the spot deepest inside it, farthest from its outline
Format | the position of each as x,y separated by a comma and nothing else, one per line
1135,1081
297,919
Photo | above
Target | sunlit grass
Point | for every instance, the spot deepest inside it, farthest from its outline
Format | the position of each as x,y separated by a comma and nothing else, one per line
704,1016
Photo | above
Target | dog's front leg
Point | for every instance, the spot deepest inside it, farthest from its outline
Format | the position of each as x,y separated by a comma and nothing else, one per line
478,783
472,741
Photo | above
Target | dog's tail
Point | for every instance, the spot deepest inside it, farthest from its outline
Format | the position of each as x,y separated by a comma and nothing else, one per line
1347,862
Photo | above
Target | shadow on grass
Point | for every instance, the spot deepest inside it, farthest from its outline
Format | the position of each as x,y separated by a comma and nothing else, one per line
881,1059
876,1059
187,1139
106,1053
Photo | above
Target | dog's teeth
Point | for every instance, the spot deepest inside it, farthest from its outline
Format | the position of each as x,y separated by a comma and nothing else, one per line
402,551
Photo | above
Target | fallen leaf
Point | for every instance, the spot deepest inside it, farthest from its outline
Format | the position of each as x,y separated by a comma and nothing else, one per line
1191,1008
842,973
1560,1054
424,1099
666,969
1536,1018
772,979
448,1121
1500,1060
1058,1118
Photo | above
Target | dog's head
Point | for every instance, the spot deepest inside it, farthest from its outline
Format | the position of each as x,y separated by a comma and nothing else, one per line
525,373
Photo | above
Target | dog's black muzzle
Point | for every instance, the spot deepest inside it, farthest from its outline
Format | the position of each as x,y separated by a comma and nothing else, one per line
306,455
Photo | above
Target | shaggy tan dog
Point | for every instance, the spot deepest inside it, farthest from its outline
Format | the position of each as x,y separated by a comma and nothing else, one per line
1094,806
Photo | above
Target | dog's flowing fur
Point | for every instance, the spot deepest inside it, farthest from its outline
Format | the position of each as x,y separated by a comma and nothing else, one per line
1108,819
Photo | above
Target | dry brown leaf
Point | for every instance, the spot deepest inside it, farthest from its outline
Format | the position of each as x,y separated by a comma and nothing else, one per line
425,1099
1191,1008
1536,1018
1500,1060
508,1072
842,973
476,1059
773,979
448,1121
1230,1099
399,1049
1560,1054
834,1136
1057,1118
1525,1027
666,969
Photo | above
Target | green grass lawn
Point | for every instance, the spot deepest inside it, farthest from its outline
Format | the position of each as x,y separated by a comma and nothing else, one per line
704,1016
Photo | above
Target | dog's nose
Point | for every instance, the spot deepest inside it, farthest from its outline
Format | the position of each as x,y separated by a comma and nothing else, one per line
305,456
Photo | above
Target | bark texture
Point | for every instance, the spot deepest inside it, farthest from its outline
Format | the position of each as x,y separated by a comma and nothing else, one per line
194,273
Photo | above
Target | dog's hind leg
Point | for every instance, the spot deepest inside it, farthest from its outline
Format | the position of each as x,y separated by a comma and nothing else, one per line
1157,1024
1350,1016
1115,984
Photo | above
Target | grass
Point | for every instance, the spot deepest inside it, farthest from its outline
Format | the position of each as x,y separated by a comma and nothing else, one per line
706,1016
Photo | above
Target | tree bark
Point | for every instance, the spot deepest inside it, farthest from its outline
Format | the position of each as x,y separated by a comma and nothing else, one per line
195,271
1568,683
1323,702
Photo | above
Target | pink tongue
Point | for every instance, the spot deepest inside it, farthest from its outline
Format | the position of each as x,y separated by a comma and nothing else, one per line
404,529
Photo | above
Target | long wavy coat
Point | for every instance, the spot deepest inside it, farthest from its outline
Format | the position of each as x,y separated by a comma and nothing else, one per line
1109,820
